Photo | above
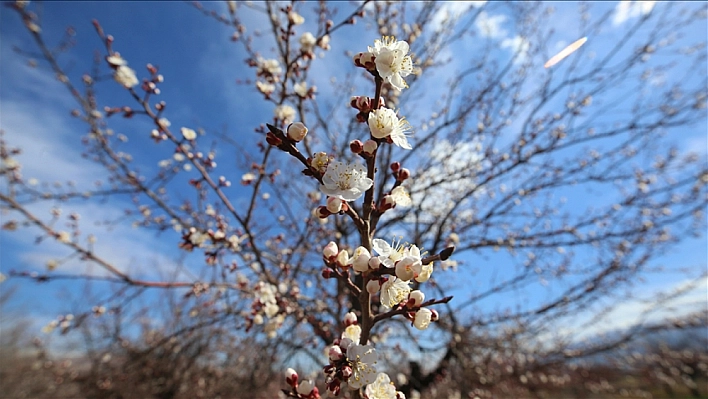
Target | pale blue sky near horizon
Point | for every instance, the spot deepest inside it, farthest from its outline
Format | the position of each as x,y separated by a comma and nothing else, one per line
200,66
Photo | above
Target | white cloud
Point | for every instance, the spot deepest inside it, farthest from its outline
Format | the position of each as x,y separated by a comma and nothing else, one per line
627,9
629,313
36,120
491,26
451,10
519,46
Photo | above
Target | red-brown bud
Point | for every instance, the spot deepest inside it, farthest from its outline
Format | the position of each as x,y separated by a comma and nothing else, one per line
404,174
273,139
356,146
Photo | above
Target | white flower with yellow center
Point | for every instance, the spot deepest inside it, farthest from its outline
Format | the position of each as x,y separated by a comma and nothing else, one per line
352,332
392,60
384,122
382,388
394,291
363,359
388,255
401,196
320,162
346,182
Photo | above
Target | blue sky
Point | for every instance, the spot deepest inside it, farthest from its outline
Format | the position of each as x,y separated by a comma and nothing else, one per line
201,65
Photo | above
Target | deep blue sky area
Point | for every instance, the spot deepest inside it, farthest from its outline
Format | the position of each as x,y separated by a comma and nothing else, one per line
201,65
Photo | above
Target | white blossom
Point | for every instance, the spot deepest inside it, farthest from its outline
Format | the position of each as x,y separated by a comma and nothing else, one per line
401,196
284,112
126,76
345,181
382,388
352,332
189,134
324,42
265,88
295,18
394,291
308,42
425,273
320,162
384,122
300,89
392,60
269,67
363,359
388,254
116,60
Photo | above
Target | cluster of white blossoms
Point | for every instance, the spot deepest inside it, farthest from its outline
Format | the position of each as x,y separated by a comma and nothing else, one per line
123,74
284,113
402,264
389,270
351,365
389,59
266,303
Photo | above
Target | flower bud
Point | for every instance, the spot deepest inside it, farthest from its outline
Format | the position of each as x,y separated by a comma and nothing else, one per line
405,268
370,146
343,259
417,296
335,353
305,387
344,343
435,315
331,250
327,273
273,139
334,205
374,263
404,174
350,319
386,203
363,103
297,131
361,259
291,377
373,286
364,60
322,212
334,387
422,318
356,146
395,167
346,371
